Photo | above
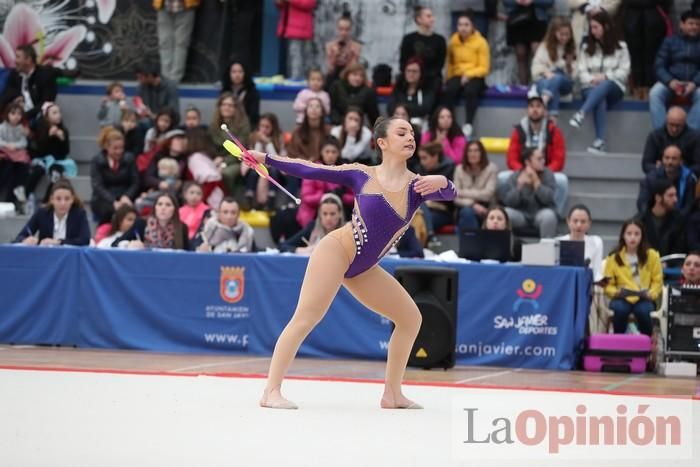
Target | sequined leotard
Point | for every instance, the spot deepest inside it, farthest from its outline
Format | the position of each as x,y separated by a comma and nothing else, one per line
380,217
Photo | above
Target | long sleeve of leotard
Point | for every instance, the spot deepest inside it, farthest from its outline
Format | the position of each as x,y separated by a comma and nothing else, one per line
350,175
444,194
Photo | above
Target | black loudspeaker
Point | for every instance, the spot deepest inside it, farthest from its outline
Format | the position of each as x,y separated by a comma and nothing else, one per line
434,290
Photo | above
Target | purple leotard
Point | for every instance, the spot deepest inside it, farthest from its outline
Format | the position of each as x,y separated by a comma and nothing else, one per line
379,218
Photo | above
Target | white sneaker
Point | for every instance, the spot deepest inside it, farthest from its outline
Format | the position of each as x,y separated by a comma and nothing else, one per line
20,194
598,148
577,120
467,130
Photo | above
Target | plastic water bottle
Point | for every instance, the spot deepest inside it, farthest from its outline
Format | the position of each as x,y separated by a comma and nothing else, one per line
31,205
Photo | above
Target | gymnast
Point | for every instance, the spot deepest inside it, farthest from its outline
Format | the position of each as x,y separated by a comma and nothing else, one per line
386,198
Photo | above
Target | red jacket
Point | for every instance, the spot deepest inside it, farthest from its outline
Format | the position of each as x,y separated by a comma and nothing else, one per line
555,149
296,19
311,193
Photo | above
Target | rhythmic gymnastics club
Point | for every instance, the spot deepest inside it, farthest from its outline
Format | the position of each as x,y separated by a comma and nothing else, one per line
251,161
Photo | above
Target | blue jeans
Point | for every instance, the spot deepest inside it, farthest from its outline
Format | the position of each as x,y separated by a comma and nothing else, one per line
467,219
622,309
435,219
554,87
659,96
598,99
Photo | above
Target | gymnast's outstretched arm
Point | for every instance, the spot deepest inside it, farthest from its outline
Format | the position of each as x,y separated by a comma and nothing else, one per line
350,175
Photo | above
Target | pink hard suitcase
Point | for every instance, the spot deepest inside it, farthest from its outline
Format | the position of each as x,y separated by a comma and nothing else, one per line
617,353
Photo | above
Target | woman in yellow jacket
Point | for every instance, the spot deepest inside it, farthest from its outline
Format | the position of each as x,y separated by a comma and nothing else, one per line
467,67
635,278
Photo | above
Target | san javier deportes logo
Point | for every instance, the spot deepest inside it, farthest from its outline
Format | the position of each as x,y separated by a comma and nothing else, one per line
534,322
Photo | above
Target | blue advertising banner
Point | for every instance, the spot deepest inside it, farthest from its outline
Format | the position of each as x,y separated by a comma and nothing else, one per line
508,315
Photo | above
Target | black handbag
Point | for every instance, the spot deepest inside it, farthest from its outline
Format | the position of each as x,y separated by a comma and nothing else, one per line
521,15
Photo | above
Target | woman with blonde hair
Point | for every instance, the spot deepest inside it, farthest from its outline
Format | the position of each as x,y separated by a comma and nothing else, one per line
114,176
554,65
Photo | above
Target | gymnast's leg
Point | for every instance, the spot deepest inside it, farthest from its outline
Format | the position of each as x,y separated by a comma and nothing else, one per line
381,293
324,274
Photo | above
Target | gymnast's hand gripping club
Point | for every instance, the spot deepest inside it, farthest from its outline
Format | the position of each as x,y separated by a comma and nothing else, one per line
236,149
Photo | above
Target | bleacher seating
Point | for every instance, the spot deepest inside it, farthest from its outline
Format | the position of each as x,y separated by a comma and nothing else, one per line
608,184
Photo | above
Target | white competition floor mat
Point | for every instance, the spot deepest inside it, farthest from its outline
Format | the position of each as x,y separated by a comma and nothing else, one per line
65,418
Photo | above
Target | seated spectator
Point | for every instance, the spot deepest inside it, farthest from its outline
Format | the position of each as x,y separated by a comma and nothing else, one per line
133,135
680,176
315,90
526,25
240,83
481,11
354,137
443,129
170,180
35,83
123,221
678,71
164,122
497,219
635,278
229,111
427,45
432,162
329,217
664,225
50,150
401,111
554,66
113,175
193,119
468,63
155,92
603,69
343,50
267,138
200,164
582,10
352,90
308,137
14,158
674,132
529,195
536,131
60,222
411,92
227,233
164,230
313,191
192,211
112,105
579,222
475,181
690,272
165,177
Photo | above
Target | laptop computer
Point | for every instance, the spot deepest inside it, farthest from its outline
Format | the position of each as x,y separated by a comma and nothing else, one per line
572,253
478,244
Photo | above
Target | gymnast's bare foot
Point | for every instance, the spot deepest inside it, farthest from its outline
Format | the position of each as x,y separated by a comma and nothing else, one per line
272,399
389,401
